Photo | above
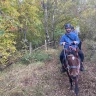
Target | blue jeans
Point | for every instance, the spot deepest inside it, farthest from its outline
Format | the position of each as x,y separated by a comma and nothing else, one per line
81,55
79,45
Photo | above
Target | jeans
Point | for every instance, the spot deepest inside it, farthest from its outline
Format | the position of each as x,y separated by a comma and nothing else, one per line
81,55
79,45
62,58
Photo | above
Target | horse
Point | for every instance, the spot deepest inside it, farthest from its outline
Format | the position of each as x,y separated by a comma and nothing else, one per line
72,66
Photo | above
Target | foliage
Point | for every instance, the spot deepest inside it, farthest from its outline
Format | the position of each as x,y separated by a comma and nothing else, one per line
91,53
58,34
13,26
60,13
22,21
30,20
8,24
87,20
35,56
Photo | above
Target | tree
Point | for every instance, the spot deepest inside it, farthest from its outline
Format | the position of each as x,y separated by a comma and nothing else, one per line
45,8
8,24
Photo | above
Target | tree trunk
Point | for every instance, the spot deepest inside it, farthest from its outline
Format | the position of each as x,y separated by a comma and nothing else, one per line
53,24
25,29
44,4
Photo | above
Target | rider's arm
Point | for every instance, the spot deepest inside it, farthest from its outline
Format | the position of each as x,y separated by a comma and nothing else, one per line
62,40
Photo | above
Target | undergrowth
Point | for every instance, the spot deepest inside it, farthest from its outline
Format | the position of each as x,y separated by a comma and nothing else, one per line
35,56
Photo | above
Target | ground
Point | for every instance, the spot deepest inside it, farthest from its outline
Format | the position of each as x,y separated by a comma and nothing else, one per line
45,79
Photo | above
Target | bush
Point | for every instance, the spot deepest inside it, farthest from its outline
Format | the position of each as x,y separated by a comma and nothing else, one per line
93,58
91,53
35,56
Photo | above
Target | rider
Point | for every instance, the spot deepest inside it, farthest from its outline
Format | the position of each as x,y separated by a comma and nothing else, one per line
69,37
75,31
81,54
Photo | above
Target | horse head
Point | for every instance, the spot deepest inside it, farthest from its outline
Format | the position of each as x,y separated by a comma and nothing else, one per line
73,61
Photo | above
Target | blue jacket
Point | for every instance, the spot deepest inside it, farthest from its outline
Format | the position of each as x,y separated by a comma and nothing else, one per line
72,35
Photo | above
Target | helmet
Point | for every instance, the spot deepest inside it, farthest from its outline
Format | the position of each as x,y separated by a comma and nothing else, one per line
67,25
72,27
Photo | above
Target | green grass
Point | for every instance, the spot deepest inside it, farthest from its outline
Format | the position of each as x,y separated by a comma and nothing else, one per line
35,56
13,79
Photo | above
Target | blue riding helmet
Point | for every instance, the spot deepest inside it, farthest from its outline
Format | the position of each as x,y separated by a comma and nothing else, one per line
67,26
72,27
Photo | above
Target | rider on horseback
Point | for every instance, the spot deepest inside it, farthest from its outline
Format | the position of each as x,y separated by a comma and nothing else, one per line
75,31
70,38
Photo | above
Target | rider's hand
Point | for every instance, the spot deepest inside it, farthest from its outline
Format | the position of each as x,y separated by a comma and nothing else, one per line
75,42
63,43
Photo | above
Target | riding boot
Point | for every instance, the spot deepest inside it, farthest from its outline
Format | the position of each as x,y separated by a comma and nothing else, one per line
81,67
63,69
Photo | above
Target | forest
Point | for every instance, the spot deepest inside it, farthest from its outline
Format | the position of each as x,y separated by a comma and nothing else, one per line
26,25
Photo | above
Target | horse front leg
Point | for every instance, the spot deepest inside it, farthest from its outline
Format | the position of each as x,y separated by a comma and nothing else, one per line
70,80
76,86
71,83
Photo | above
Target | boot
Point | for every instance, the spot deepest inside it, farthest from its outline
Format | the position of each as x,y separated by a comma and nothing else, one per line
81,67
63,69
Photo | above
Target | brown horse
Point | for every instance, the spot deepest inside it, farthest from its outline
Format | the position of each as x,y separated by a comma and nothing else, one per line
72,66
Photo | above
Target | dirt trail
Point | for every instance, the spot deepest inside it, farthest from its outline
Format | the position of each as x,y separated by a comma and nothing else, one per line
59,84
54,83
47,80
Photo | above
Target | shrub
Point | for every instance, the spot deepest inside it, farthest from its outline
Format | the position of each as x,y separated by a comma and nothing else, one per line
91,53
35,56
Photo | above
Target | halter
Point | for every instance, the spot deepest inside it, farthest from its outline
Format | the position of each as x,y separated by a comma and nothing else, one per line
73,67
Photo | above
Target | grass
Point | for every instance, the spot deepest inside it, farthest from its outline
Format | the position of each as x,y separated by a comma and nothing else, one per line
14,79
27,79
43,79
35,56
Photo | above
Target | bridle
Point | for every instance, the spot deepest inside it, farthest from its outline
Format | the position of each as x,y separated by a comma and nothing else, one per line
73,57
73,67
